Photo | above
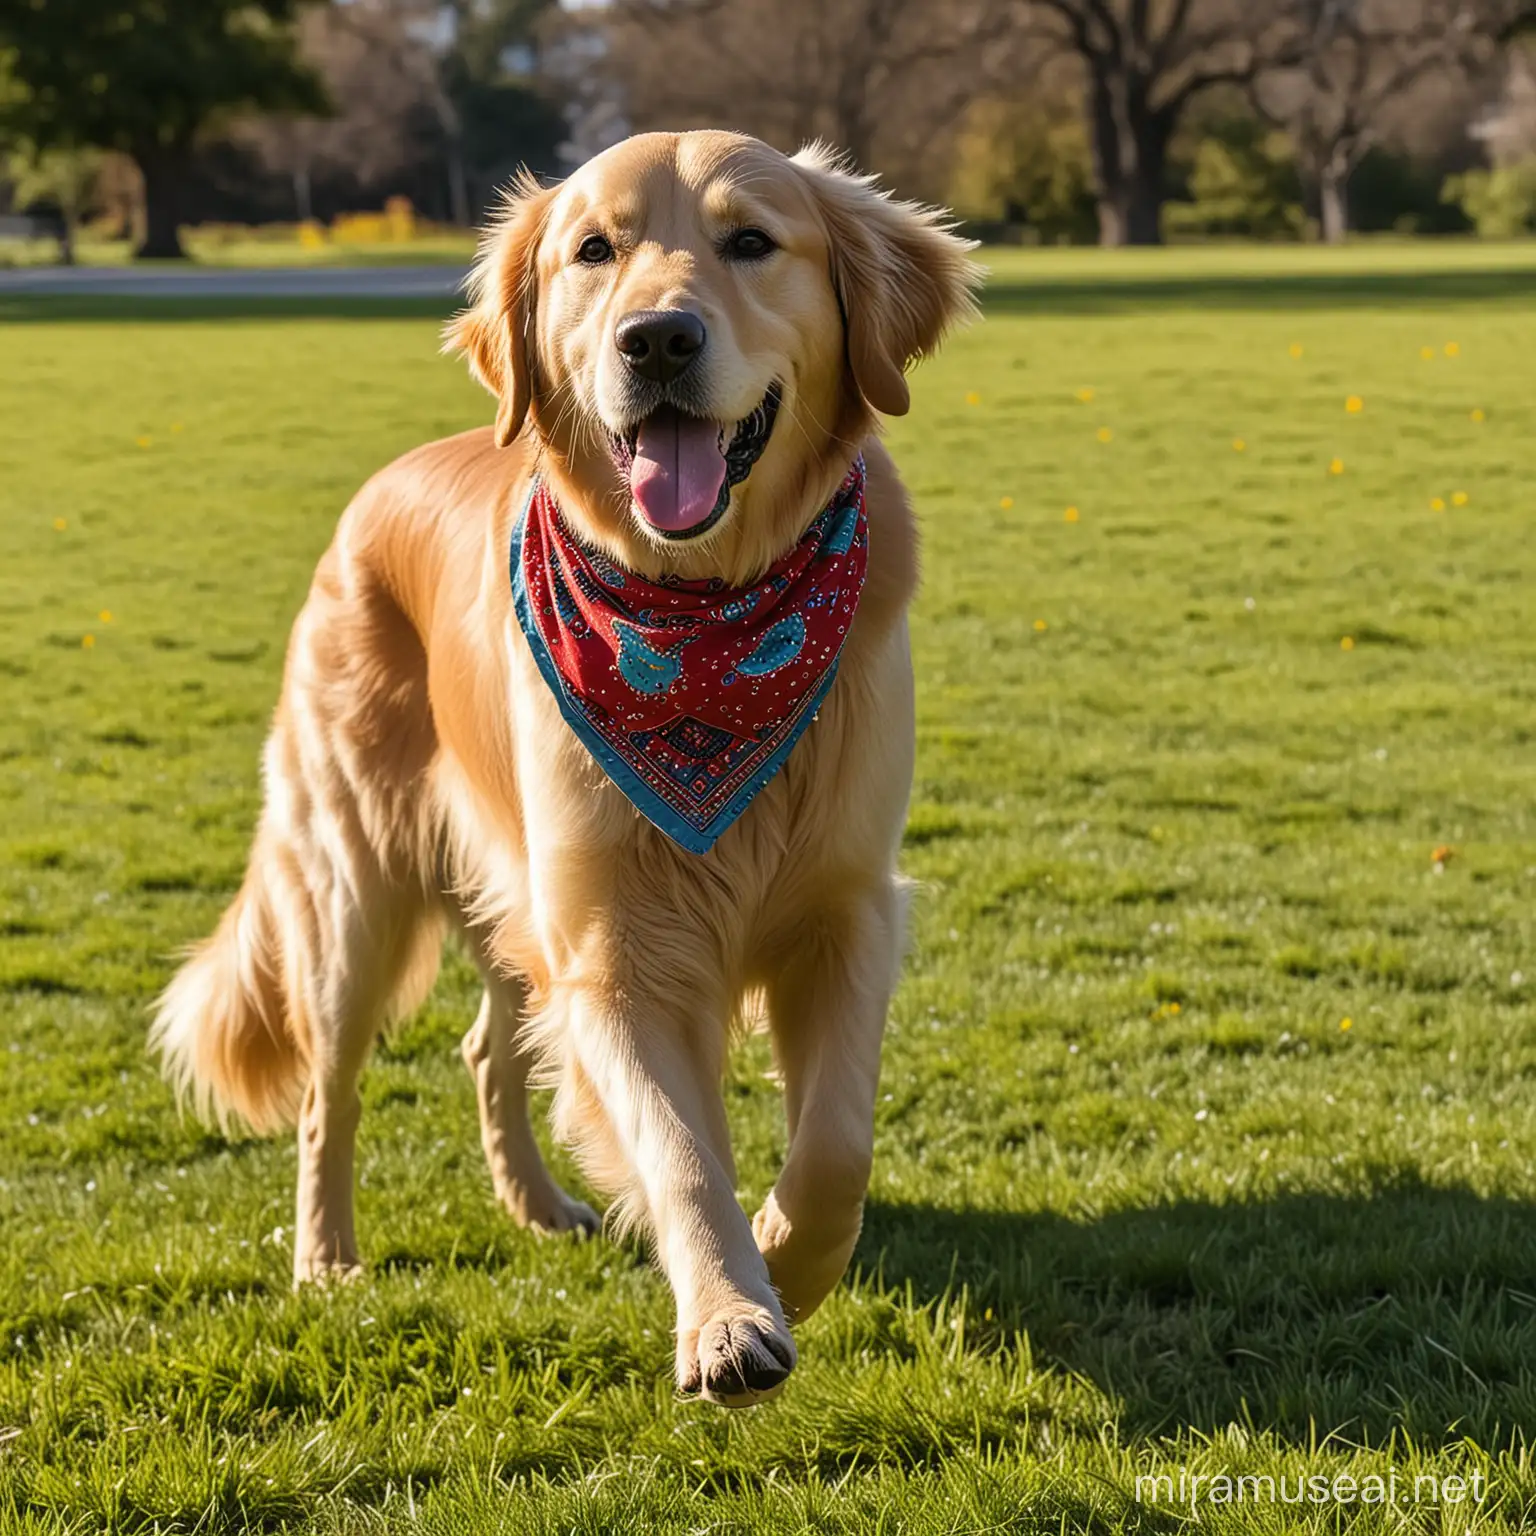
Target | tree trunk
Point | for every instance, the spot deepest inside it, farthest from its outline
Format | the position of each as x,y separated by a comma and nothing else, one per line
1112,219
66,238
1333,202
1108,174
1132,212
1129,151
163,171
301,198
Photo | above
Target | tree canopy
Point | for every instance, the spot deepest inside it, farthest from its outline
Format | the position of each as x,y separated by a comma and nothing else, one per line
145,77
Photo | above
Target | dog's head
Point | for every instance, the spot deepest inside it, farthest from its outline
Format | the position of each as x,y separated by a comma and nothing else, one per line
699,330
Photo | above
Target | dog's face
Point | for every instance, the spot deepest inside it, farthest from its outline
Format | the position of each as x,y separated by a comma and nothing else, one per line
698,329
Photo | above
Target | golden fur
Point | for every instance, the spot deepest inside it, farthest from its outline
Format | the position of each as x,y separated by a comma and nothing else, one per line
418,776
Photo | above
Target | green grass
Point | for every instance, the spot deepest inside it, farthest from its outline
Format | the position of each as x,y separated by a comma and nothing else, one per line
1141,1203
219,248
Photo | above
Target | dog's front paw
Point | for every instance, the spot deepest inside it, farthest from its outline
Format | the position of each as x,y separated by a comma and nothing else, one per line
740,1356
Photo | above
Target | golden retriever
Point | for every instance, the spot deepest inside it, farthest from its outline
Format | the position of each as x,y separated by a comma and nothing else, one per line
420,777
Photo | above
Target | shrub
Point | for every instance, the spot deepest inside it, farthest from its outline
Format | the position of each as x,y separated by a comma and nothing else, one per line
1030,165
1243,182
1500,203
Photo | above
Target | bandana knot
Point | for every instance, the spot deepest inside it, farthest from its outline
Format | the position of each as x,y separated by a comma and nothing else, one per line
690,695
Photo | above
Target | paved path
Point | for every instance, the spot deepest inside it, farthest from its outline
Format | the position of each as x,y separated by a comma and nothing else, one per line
238,282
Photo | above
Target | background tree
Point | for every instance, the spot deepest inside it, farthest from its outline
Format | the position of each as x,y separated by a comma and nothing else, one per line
886,81
64,181
1144,62
488,92
1500,200
147,77
1358,58
499,102
380,81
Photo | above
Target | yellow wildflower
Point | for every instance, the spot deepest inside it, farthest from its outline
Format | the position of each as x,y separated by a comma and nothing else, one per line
1238,445
1336,467
1006,502
1354,405
1105,435
1459,498
1453,349
1347,643
1437,503
1070,515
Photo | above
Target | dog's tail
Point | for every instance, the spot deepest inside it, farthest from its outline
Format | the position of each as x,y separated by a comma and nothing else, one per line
225,1027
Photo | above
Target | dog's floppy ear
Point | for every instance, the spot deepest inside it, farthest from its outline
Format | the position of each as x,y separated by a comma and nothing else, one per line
496,333
903,278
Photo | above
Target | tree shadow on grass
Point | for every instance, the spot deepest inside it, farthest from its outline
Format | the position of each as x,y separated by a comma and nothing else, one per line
1108,295
1092,293
1410,1309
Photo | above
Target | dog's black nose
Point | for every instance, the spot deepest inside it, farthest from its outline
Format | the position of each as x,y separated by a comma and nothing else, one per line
660,343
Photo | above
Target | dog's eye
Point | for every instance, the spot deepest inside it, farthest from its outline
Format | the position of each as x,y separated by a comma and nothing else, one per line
749,245
594,251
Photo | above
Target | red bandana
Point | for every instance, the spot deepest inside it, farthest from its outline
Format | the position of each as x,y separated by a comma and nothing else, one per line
690,694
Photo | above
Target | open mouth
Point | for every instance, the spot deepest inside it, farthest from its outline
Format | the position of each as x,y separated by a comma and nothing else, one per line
681,468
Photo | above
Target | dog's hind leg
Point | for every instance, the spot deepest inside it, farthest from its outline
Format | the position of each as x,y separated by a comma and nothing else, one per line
371,951
337,923
499,1063
324,1239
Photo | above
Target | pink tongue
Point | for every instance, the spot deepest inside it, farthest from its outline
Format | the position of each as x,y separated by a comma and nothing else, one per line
678,470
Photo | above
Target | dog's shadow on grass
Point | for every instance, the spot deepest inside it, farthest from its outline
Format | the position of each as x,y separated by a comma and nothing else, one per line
1412,1309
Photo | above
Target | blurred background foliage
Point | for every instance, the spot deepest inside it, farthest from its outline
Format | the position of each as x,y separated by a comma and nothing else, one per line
1040,121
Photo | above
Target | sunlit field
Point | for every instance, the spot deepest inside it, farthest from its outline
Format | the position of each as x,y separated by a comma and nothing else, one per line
1206,1131
253,248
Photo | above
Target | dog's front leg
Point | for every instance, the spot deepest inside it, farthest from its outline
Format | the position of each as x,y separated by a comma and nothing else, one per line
826,1009
658,1088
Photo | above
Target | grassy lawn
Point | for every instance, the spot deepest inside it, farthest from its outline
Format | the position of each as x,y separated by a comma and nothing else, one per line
216,249
1205,1139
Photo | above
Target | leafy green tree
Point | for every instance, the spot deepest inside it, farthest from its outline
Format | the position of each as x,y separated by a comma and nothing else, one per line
146,77
1243,181
492,116
61,179
1145,65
